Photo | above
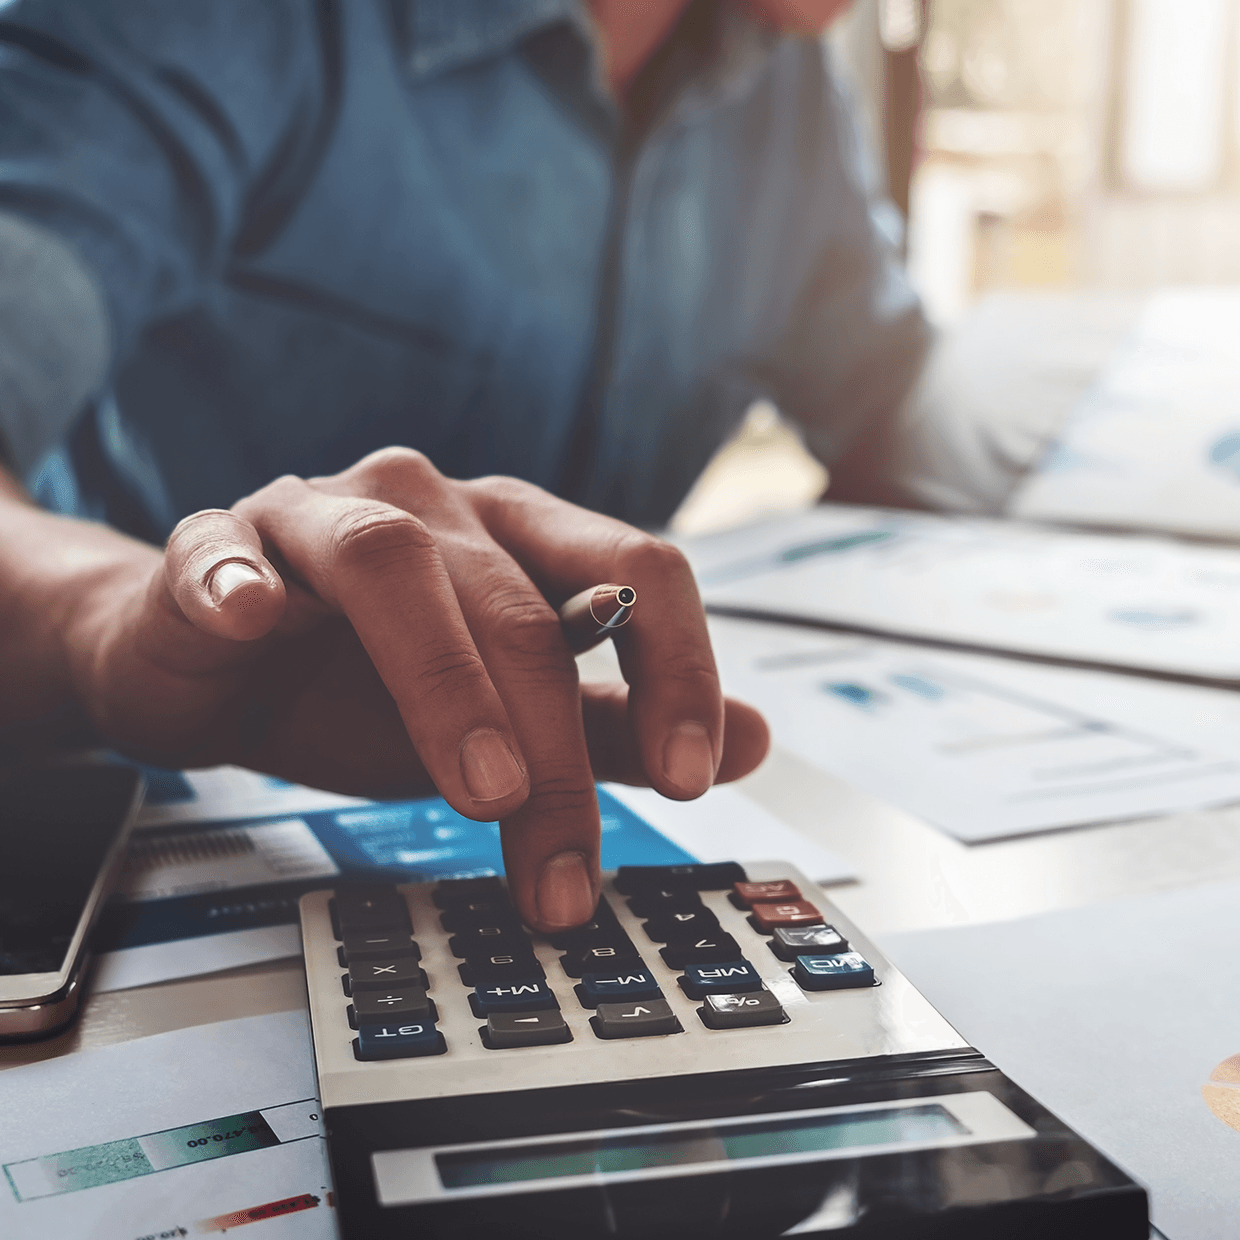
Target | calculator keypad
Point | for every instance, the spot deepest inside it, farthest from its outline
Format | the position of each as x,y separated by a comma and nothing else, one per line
505,985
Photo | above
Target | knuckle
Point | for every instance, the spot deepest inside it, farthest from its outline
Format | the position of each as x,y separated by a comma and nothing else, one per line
562,792
651,558
523,623
372,537
393,469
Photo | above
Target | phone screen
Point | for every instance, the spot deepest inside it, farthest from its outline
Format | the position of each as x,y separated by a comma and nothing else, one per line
56,826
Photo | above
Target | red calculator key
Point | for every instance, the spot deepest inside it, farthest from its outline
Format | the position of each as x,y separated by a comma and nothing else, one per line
765,917
779,891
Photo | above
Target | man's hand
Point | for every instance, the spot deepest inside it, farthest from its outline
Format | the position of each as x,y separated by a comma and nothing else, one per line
388,631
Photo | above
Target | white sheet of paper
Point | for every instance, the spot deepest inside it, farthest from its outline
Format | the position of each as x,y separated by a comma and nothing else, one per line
979,746
1156,443
724,825
1113,1017
1142,603
149,1179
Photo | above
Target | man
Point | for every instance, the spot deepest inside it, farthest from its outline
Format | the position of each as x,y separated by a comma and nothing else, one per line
247,245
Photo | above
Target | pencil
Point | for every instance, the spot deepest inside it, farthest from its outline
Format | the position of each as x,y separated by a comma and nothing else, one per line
589,617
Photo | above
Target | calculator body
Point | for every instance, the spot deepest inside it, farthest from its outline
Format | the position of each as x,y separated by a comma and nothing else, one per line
801,1087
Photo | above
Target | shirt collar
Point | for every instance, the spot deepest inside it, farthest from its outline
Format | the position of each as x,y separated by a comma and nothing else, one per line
448,33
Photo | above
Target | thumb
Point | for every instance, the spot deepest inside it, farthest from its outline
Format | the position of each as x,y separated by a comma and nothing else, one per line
219,579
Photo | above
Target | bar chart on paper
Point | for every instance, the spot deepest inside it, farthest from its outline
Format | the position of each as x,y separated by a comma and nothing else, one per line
244,1148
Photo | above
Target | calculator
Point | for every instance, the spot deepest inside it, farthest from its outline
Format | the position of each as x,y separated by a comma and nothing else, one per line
720,1052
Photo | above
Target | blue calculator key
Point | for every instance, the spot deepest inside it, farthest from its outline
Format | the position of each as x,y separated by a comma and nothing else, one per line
617,985
525,994
836,972
736,977
398,1041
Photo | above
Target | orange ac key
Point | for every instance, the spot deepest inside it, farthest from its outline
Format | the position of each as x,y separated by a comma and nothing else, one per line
748,894
765,917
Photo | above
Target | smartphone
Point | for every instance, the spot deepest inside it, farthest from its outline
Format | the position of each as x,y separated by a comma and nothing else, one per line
63,831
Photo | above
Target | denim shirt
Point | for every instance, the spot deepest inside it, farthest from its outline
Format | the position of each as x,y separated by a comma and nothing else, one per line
324,226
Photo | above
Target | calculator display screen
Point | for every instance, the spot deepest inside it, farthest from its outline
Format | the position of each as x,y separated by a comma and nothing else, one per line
610,1155
56,828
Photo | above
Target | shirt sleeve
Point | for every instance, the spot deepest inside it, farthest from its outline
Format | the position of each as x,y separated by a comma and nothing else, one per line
139,145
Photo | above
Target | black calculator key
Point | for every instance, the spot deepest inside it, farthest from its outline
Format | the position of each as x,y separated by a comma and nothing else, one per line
398,1040
479,913
606,956
789,942
758,1007
617,985
363,909
498,968
719,876
731,977
602,926
451,891
403,1003
505,1030
682,927
379,974
657,901
489,940
638,1019
376,946
527,994
717,948
840,972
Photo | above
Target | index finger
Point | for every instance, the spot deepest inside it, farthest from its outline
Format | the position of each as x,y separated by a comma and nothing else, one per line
675,702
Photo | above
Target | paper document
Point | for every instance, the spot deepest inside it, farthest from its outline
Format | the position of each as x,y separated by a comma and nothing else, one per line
201,894
1156,443
1141,603
190,1133
979,746
1116,1017
725,825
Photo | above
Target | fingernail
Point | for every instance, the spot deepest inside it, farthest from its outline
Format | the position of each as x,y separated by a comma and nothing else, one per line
565,894
689,759
488,766
229,577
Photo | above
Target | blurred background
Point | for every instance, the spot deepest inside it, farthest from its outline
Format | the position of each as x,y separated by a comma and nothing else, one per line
1088,148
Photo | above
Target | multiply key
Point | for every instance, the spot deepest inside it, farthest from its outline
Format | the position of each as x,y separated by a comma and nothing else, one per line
682,927
380,974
